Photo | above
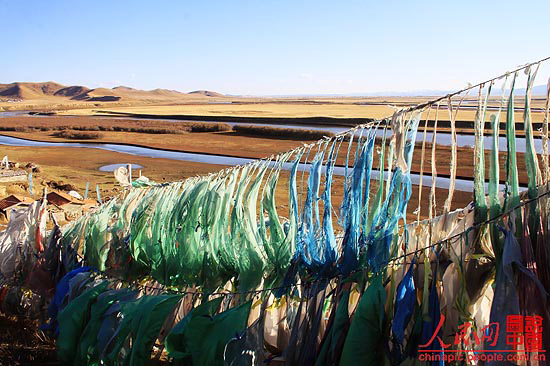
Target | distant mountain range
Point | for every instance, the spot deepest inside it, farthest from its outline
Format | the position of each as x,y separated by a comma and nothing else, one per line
50,89
538,90
56,91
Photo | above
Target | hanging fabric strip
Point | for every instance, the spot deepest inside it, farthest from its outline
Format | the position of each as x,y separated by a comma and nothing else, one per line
352,230
384,226
276,246
390,161
545,160
422,157
512,183
329,249
377,201
98,194
251,264
405,300
410,142
310,225
398,136
30,184
406,188
345,200
531,161
494,178
453,164
479,155
367,167
432,203
302,185
364,343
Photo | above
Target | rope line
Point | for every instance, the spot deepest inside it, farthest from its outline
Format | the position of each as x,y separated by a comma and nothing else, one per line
308,283
306,149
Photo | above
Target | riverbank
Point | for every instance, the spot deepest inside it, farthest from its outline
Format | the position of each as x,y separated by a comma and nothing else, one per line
78,165
228,144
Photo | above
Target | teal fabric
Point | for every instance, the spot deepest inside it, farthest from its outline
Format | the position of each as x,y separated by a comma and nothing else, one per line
200,338
365,341
141,320
72,322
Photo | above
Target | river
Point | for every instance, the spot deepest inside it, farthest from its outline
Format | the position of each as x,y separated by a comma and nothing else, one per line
441,182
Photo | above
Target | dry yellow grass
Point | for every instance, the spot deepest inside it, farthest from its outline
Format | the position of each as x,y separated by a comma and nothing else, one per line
256,110
78,166
341,109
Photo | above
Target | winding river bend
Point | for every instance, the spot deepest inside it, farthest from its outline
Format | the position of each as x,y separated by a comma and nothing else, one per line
465,185
442,138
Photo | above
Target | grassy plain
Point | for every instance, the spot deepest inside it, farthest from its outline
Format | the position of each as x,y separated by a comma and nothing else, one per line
78,166
367,108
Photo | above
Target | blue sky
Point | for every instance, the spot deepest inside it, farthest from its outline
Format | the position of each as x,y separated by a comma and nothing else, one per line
270,47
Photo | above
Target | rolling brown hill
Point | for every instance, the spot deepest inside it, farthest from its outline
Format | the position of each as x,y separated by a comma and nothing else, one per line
51,90
126,93
72,91
19,90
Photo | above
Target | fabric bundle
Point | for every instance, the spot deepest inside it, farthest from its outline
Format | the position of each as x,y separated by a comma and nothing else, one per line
305,258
